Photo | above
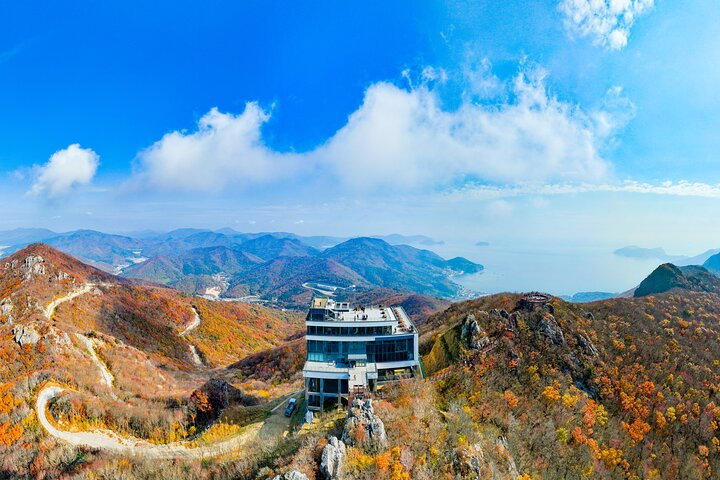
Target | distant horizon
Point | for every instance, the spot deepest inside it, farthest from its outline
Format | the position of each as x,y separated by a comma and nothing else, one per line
511,269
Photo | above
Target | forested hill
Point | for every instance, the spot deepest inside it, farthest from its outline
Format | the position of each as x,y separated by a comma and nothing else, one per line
621,388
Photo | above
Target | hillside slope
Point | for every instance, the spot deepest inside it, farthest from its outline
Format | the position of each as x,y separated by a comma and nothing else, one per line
622,388
401,267
668,277
713,263
284,277
129,355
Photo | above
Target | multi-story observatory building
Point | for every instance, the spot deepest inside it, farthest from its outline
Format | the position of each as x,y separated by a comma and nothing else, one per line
354,351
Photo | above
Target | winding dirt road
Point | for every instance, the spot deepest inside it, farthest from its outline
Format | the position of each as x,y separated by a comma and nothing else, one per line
110,441
193,325
107,377
50,309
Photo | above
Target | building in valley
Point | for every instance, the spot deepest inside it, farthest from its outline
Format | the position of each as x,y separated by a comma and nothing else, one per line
354,351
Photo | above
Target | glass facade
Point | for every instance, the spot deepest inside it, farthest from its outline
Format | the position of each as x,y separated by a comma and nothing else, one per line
396,349
350,331
391,350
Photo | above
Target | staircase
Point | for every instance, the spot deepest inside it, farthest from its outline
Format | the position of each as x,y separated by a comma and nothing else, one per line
357,392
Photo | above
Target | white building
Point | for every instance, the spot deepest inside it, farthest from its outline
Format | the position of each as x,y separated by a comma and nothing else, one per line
352,352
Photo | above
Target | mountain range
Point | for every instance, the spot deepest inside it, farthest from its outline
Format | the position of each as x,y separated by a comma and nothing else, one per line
268,266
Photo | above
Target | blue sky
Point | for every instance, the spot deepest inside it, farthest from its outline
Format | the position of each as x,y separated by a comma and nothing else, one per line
458,119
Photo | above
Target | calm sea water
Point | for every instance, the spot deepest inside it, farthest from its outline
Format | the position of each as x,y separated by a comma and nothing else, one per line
556,271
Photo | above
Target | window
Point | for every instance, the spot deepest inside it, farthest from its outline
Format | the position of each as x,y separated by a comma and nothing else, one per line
391,350
331,385
349,331
313,384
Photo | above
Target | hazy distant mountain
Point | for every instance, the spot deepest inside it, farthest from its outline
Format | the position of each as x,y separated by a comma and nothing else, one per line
24,236
713,263
195,260
171,269
633,251
700,259
103,250
269,247
320,242
397,239
482,244
583,297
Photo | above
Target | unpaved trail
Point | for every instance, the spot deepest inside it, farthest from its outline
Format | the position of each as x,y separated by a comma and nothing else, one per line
50,309
196,358
110,441
107,377
193,325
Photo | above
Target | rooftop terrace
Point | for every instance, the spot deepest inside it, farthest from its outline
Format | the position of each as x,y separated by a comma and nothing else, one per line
323,309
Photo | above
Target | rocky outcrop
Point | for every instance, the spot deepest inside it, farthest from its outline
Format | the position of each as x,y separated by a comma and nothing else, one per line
549,328
34,265
471,335
25,335
503,449
363,428
469,462
291,475
586,345
331,463
6,308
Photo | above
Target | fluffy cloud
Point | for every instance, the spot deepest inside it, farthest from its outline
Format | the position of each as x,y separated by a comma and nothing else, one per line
65,170
608,22
404,138
399,139
225,149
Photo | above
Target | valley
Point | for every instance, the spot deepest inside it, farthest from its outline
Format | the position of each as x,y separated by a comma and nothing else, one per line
270,268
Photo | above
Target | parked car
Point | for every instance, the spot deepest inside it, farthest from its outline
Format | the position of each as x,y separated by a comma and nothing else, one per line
290,407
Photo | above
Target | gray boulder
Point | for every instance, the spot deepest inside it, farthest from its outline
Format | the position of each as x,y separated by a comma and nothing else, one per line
469,462
549,328
371,429
6,308
471,335
586,345
291,475
331,463
25,335
34,265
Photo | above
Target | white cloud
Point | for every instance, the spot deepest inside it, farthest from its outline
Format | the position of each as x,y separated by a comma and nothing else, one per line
398,139
404,138
608,22
679,189
225,150
65,170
